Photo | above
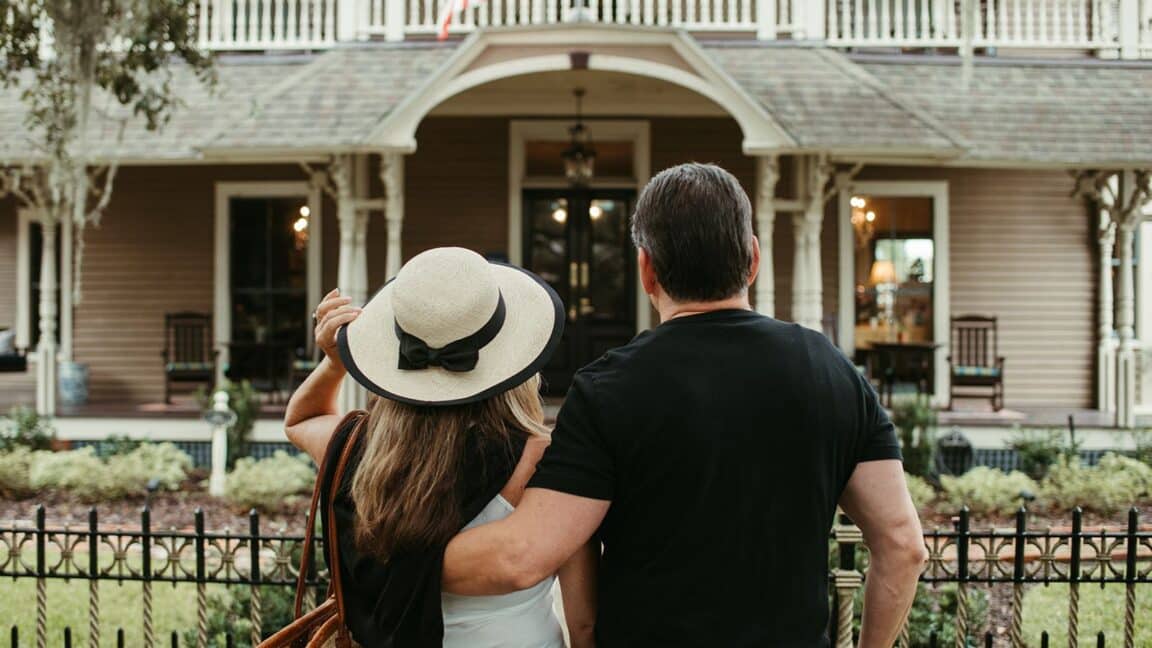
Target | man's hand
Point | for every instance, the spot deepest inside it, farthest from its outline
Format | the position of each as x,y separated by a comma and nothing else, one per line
523,549
877,500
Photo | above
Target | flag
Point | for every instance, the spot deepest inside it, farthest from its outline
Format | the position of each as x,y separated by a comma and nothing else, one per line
450,9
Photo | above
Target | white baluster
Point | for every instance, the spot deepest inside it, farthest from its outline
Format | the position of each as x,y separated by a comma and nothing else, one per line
691,7
202,18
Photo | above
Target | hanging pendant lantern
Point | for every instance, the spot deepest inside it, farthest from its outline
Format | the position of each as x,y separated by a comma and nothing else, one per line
579,157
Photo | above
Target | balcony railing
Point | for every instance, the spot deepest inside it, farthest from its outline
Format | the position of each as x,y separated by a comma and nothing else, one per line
1111,27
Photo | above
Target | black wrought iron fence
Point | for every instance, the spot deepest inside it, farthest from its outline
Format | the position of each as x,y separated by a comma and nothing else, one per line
962,555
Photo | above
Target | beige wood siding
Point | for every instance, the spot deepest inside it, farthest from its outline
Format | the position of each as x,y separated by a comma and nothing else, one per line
1021,250
153,254
8,233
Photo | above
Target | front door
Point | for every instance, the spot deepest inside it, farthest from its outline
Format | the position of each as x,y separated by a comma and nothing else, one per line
578,241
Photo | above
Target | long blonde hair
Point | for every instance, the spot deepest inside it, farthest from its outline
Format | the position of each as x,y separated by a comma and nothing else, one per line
407,488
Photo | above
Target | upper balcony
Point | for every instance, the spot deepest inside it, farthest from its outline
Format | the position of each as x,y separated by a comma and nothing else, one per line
1105,28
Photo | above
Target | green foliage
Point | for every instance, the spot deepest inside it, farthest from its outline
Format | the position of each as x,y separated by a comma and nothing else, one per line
1115,483
117,445
1142,439
1101,610
922,492
229,611
915,420
90,478
934,610
988,490
14,479
267,484
244,401
23,427
1040,449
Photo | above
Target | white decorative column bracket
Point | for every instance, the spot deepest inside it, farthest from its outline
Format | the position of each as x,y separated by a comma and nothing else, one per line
1122,195
807,279
767,174
46,349
392,175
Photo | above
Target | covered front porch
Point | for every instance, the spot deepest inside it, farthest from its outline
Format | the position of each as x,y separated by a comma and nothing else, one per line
367,155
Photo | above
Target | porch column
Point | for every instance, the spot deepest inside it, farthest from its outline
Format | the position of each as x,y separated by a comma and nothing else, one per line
1133,192
767,174
67,263
46,349
352,395
1126,320
1106,344
807,281
392,174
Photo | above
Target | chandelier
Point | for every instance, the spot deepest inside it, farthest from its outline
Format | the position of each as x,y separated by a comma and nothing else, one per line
579,157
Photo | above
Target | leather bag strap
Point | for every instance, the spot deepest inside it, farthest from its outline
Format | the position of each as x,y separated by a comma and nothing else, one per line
355,417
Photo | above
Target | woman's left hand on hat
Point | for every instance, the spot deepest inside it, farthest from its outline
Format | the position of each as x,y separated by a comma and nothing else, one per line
334,311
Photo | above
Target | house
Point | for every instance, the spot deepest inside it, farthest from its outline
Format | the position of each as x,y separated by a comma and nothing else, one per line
908,160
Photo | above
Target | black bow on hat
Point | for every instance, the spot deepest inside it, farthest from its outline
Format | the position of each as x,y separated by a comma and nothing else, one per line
459,356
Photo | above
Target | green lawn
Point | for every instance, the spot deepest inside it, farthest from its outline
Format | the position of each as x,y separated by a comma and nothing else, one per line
121,606
1046,608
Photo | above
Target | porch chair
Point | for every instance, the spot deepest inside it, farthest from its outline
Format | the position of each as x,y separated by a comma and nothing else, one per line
975,360
188,353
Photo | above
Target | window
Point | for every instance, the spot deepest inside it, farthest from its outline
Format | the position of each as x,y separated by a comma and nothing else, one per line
269,285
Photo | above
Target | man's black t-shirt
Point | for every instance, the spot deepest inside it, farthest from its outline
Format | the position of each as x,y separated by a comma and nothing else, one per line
723,441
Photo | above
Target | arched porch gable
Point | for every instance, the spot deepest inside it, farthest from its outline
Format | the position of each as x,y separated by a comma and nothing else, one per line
667,55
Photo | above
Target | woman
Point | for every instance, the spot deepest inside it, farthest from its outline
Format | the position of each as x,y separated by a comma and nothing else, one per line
451,347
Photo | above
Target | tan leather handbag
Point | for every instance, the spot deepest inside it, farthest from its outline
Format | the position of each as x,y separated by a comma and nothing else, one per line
323,627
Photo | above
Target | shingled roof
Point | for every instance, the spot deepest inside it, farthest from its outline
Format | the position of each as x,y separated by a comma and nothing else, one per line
826,102
1090,113
1060,113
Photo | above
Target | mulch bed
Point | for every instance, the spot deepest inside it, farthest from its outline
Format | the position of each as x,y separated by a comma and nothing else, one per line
167,510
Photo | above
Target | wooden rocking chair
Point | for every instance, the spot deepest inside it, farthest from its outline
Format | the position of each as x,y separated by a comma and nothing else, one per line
188,353
975,360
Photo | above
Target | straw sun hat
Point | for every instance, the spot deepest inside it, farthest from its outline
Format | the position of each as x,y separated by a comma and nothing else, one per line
452,328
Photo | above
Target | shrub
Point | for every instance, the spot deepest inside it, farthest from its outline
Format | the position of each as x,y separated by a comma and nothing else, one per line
988,490
266,484
915,420
1115,483
230,612
23,427
164,462
244,401
14,481
922,492
1039,449
90,478
934,610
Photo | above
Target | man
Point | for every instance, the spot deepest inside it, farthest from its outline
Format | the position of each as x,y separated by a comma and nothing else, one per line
710,455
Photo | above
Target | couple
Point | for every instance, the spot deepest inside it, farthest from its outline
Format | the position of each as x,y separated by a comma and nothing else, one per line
684,497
